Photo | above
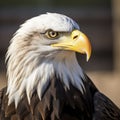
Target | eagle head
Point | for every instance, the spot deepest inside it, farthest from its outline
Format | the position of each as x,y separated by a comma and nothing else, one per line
42,47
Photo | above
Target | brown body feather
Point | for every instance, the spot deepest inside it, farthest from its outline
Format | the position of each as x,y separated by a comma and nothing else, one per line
60,104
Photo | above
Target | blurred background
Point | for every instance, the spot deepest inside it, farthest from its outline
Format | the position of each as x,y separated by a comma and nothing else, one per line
98,19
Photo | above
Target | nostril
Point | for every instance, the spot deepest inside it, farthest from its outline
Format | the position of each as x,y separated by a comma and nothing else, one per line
75,36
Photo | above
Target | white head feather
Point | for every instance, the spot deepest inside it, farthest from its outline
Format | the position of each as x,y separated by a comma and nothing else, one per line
32,61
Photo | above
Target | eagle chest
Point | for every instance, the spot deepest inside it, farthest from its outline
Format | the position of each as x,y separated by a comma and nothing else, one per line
57,103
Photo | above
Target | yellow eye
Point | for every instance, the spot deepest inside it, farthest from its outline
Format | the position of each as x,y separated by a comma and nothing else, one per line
52,34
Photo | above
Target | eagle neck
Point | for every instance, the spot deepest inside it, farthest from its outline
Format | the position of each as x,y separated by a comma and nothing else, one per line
65,68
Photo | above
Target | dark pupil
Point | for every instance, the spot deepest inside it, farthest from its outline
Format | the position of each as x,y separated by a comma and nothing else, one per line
53,34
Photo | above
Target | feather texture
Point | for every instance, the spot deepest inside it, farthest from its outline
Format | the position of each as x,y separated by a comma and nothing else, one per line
47,83
60,104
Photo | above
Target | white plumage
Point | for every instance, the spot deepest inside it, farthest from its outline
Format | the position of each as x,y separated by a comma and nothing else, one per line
45,81
32,61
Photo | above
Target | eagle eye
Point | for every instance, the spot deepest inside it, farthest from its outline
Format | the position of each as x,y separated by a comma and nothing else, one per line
52,34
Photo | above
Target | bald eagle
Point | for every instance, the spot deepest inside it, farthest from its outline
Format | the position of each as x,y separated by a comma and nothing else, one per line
45,81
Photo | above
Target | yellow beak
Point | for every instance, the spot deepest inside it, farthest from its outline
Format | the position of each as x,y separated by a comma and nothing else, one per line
77,42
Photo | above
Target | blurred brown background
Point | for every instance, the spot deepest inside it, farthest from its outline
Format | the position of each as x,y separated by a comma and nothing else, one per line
98,19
